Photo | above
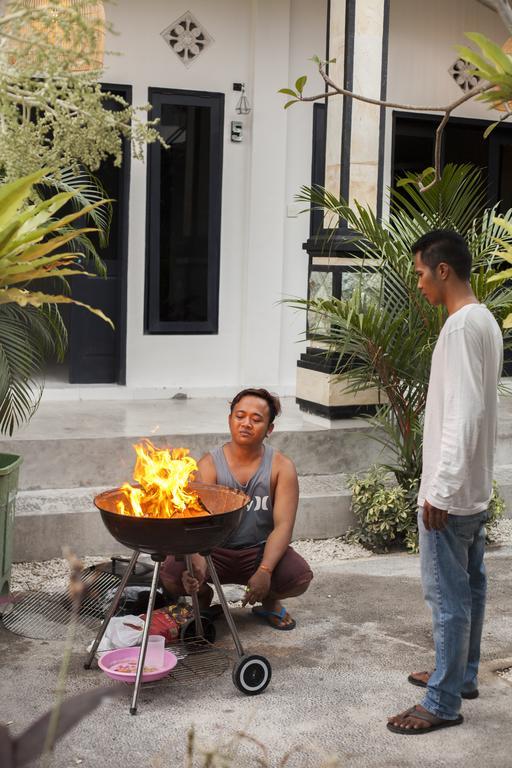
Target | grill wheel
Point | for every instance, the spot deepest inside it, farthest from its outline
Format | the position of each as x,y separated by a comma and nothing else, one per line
252,674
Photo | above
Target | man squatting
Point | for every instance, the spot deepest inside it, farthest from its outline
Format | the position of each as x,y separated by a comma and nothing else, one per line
258,553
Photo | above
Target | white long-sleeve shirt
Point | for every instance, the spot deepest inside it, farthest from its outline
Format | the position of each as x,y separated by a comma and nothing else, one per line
460,431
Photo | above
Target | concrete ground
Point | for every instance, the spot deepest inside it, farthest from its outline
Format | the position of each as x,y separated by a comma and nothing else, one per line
361,628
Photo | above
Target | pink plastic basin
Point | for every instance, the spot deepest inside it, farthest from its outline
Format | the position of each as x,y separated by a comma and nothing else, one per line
110,659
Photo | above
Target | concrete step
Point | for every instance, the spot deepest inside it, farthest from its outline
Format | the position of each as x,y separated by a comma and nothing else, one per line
108,461
50,519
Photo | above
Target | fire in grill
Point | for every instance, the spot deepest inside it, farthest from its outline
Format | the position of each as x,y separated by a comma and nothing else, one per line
167,513
223,510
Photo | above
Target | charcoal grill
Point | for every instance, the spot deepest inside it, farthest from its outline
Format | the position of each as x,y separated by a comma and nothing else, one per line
159,537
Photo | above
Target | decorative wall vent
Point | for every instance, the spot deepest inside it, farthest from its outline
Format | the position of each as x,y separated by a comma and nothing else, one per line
462,73
187,38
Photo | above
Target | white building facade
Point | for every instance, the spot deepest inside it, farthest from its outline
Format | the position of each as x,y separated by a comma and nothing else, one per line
220,229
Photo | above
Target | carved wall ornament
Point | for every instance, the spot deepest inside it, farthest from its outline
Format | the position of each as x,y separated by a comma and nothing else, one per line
187,38
462,73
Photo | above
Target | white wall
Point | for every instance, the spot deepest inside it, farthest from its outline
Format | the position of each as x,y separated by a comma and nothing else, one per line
263,43
422,46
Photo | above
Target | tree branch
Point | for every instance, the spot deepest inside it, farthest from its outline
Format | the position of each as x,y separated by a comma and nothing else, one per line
447,109
504,11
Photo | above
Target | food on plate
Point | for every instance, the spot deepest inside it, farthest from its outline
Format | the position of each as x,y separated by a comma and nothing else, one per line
129,667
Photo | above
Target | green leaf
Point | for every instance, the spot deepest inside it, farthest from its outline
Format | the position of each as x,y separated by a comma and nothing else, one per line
491,51
300,83
483,68
289,103
288,92
500,277
13,194
490,128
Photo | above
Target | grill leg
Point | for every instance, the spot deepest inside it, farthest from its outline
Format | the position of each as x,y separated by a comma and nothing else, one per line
113,608
142,654
225,607
195,601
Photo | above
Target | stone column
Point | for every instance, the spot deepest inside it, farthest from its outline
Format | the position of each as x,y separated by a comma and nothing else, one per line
357,35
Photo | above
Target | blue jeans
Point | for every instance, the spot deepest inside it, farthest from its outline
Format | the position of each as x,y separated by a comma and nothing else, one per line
454,585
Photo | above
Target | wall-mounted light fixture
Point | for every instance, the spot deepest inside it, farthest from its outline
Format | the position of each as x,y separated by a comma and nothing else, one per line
243,107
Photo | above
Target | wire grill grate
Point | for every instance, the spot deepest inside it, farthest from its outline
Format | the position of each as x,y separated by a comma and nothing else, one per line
43,616
197,660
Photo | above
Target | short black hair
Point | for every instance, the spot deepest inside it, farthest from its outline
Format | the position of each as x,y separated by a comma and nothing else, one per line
444,245
272,401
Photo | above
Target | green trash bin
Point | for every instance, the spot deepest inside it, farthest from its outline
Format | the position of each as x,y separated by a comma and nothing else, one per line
9,471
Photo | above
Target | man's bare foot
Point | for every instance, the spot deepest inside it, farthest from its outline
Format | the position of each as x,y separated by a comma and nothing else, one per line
407,719
419,678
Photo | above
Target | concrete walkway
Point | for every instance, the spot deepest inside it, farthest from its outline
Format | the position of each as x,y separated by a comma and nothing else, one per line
361,628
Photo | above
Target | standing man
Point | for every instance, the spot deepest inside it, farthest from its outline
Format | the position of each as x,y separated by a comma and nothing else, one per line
458,455
258,552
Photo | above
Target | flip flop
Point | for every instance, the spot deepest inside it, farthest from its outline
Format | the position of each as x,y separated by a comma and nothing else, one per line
464,694
267,615
436,723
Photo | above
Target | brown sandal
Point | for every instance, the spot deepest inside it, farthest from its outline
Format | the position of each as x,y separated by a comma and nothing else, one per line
436,723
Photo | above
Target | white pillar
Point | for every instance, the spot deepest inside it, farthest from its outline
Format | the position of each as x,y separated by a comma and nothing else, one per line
262,290
358,31
357,39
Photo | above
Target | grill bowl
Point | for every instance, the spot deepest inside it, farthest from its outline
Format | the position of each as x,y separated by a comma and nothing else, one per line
176,536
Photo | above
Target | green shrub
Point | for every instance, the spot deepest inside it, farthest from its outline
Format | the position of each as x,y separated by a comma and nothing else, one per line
496,511
387,512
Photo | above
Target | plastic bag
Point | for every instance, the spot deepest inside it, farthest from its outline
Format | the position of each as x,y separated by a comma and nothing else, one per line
122,632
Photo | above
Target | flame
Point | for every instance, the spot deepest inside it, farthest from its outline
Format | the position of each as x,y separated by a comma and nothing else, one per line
163,476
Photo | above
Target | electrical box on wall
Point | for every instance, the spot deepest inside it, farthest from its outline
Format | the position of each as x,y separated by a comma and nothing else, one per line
236,130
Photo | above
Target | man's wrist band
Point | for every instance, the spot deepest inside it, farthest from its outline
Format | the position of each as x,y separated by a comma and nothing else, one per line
265,568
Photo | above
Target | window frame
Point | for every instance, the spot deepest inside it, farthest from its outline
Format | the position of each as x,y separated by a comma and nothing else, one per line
502,134
152,324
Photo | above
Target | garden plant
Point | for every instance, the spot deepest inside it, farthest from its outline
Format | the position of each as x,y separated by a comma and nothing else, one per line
34,246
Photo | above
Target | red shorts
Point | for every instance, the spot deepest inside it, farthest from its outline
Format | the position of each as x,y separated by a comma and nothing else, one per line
236,566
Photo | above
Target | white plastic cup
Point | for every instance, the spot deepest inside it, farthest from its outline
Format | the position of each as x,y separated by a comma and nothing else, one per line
155,652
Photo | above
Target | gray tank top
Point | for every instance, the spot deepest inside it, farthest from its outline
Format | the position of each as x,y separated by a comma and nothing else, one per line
258,521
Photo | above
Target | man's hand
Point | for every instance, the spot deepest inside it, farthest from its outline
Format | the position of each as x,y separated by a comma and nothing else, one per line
434,519
257,588
192,581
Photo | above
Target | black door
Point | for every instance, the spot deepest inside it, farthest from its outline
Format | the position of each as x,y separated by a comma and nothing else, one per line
97,354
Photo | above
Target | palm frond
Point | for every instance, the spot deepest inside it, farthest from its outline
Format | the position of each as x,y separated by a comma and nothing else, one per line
81,244
85,188
27,337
